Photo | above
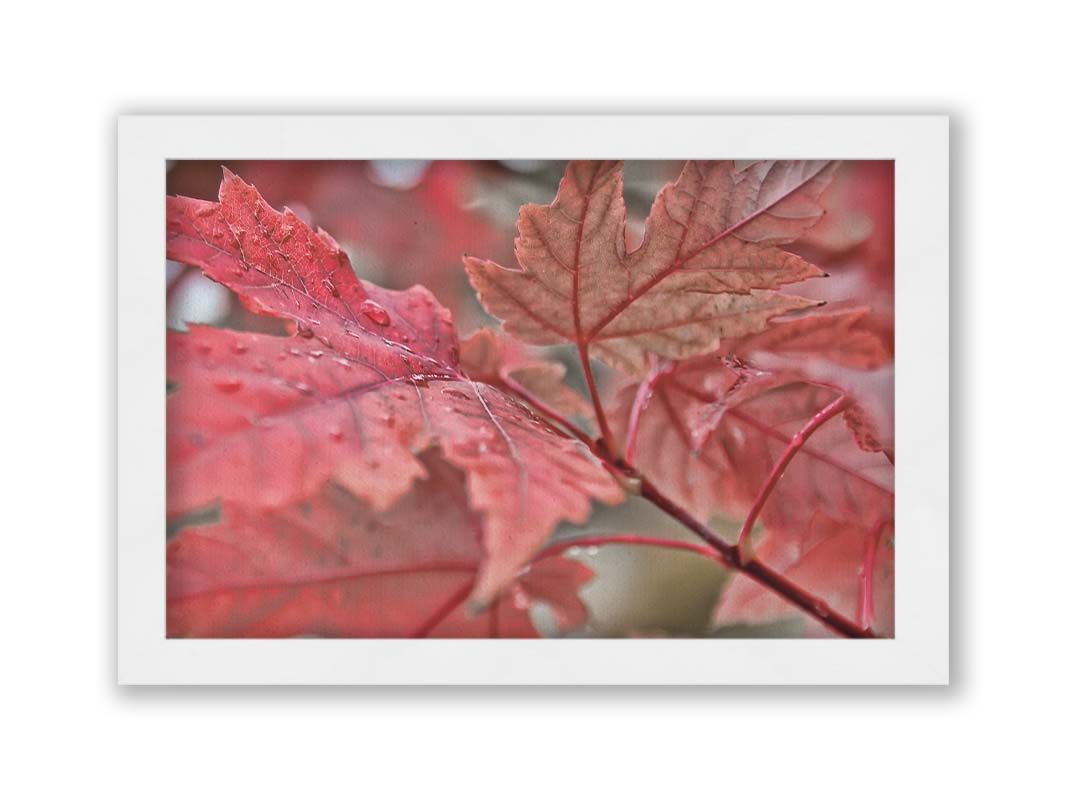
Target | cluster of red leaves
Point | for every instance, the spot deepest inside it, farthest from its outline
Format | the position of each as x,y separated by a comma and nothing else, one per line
722,389
372,473
368,380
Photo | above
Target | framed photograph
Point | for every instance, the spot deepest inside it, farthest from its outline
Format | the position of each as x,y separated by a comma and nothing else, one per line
533,400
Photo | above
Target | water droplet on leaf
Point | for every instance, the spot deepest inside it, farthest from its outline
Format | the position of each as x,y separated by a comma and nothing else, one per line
228,385
375,313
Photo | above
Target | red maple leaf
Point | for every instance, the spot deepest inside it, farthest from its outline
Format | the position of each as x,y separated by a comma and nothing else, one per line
400,236
704,271
724,472
369,379
332,565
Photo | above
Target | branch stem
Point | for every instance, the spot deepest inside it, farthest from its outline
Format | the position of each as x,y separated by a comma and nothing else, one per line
718,548
776,473
757,570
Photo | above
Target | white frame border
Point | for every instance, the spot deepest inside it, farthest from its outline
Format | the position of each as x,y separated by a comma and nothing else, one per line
918,655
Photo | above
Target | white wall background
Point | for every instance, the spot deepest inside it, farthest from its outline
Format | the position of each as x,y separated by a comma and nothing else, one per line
67,72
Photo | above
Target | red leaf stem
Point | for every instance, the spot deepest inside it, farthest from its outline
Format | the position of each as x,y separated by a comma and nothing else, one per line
794,446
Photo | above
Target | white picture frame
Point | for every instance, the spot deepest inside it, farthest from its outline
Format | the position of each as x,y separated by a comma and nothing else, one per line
919,653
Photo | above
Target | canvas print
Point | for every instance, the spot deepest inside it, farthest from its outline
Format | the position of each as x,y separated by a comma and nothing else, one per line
504,399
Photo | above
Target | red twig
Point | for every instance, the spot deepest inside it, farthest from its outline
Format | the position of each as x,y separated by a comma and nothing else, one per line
718,553
640,403
598,406
757,570
870,550
794,446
